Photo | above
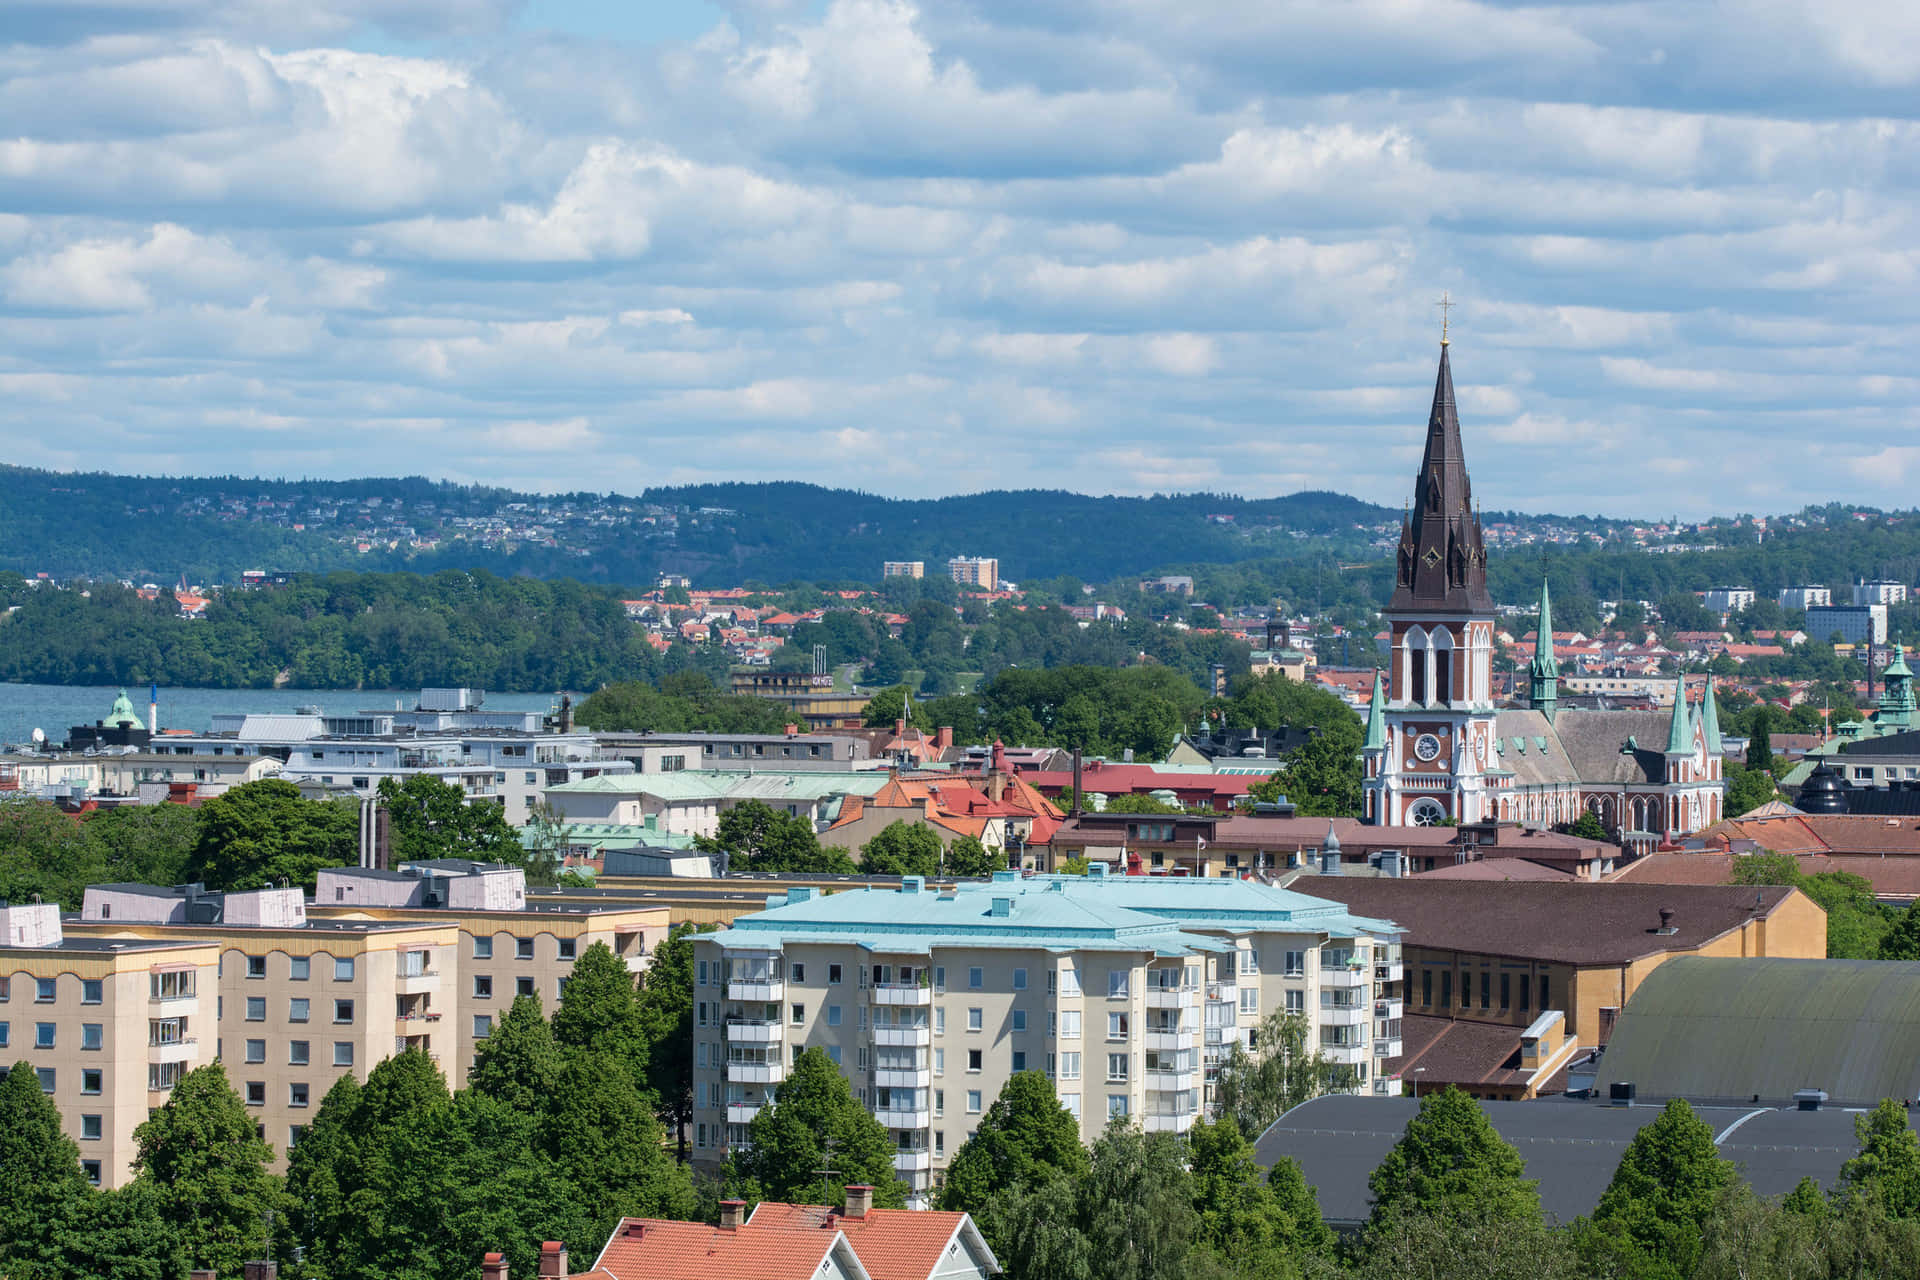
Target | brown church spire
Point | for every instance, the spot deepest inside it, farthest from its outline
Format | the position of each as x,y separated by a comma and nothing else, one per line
1442,561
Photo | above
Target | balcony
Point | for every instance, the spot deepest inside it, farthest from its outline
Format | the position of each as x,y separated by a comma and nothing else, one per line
912,1161
903,1078
1164,1039
1392,972
742,1112
1155,1122
1394,1008
1226,991
1383,1048
1172,1081
414,1024
1348,978
899,1119
903,993
904,1037
759,990
174,1006
1346,1055
414,984
1344,1015
756,1072
174,1051
1173,997
754,1031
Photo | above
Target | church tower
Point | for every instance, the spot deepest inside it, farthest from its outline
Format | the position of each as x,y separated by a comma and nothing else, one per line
1437,722
1544,673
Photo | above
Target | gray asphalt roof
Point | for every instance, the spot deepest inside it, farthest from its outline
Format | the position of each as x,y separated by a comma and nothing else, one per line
1730,1029
1571,1147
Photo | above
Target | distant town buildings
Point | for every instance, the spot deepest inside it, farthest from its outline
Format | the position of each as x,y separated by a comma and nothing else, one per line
1854,624
903,569
1729,599
1803,598
1879,591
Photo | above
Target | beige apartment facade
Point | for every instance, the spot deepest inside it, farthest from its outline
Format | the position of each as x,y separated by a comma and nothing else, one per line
108,1026
930,1001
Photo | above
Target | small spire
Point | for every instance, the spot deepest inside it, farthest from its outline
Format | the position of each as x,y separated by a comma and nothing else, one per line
1680,727
1710,720
1377,718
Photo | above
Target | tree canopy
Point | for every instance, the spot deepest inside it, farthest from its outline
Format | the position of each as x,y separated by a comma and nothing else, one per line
1451,1162
789,1142
261,833
758,838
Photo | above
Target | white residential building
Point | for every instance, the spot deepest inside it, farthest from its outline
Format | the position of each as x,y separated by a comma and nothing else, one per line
1805,597
1126,991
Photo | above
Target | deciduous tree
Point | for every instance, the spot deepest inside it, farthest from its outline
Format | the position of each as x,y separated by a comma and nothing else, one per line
1666,1186
757,838
1283,1071
789,1141
1888,1164
1025,1137
1451,1163
261,833
903,849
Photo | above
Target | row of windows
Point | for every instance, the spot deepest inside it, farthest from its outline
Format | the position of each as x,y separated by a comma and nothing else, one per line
46,1035
1059,982
47,990
1508,988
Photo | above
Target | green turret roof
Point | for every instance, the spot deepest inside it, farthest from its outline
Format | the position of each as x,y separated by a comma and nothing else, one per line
1898,667
1545,665
123,716
1680,728
1377,718
1710,720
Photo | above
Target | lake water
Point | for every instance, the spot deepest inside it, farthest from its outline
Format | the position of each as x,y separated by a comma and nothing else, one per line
57,708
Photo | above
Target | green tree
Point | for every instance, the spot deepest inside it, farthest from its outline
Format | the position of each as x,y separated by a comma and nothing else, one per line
758,838
1856,922
1749,1238
1667,1184
145,843
122,1233
966,856
1283,1071
261,833
208,1169
1141,804
1452,1163
39,1166
1760,744
1137,1205
1321,779
886,708
1747,788
546,837
666,1015
789,1141
43,853
1888,1165
1588,827
1025,1137
1041,1234
1469,1246
433,819
602,1136
1903,939
903,849
519,1061
599,1013
1257,1226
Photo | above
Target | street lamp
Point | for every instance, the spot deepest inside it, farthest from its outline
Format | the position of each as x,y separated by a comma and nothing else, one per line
1416,1082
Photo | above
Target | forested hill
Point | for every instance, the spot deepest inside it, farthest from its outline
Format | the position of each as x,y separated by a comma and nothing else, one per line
212,529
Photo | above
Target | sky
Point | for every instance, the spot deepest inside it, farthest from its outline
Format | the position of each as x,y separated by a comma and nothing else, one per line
1116,246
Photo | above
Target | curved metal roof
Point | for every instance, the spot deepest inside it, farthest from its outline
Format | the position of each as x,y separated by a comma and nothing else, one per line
1729,1029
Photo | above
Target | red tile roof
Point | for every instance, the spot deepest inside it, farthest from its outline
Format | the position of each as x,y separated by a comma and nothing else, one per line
657,1249
893,1244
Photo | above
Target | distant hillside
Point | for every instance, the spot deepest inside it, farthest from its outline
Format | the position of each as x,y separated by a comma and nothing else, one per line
212,529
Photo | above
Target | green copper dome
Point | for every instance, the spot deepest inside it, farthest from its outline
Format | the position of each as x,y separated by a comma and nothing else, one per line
123,716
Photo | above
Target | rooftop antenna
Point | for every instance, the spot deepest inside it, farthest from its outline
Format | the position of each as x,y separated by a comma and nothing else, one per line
826,1174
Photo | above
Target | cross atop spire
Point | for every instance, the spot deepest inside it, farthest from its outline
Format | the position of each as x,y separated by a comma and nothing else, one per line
1445,304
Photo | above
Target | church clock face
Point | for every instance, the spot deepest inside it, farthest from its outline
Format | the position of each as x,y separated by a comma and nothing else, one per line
1427,747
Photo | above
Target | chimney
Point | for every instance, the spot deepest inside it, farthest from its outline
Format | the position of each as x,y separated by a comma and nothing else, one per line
733,1214
204,1274
943,737
899,728
1074,810
259,1269
1666,928
493,1266
553,1260
793,731
859,1200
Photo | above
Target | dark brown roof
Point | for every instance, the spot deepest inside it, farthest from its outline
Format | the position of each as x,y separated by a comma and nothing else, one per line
1891,877
1455,1051
1500,869
1442,560
1574,923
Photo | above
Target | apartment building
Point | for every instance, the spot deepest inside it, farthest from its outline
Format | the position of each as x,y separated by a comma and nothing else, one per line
975,571
297,1002
1127,992
506,946
108,1025
903,568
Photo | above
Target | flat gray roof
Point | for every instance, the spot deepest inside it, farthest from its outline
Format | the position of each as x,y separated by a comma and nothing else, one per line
1571,1147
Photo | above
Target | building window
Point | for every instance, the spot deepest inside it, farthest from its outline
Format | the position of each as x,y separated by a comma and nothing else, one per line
523,986
297,1009
483,948
482,1025
1296,1002
92,991
256,1008
976,978
1446,988
566,947
833,973
1526,993
1249,999
1486,990
833,1015
973,1102
343,1011
1019,1060
798,971
939,1062
1019,979
1116,1105
343,968
1019,1019
297,1093
482,986
1116,1067
256,966
1118,981
1069,1024
1118,1026
1426,988
297,1053
1506,991
6,1037
256,1051
90,1078
90,1170
1070,1066
940,1021
44,991
975,1019
1546,996
343,1053
797,1014
256,1093
43,1035
300,968
1296,964
523,948
90,1129
973,1060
